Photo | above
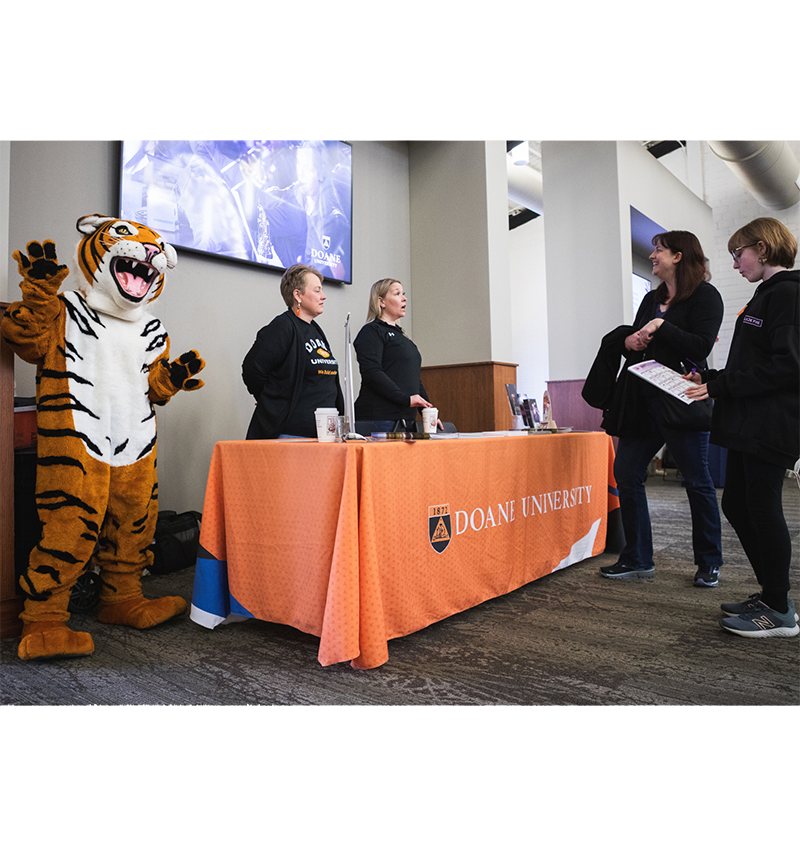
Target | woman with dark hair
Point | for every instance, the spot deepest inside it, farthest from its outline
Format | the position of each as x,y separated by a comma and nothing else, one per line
757,418
389,362
675,324
290,369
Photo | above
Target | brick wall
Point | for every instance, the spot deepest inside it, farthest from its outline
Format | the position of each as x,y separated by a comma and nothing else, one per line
733,206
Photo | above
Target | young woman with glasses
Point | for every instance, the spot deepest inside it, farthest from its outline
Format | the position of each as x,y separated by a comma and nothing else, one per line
757,418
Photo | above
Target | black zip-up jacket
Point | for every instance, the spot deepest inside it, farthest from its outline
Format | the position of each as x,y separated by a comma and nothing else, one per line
689,332
390,364
757,394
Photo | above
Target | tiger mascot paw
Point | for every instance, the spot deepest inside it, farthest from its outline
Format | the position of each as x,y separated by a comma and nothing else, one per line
142,613
40,265
183,369
43,640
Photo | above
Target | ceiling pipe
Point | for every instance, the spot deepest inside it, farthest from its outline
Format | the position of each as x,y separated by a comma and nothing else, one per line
524,186
769,170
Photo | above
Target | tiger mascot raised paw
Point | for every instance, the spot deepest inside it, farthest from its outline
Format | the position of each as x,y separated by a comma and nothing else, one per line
102,366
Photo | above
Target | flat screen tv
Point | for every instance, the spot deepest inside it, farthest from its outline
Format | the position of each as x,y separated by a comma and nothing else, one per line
271,203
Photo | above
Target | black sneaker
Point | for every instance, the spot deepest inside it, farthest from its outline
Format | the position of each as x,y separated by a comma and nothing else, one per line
707,579
621,571
763,621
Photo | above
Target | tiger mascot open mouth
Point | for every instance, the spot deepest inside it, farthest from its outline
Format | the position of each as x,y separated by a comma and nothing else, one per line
102,367
132,278
123,263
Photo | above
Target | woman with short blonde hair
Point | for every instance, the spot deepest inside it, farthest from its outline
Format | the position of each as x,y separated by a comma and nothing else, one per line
779,246
290,369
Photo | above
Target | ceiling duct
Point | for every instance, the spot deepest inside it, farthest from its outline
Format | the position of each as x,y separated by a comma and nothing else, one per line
768,169
524,186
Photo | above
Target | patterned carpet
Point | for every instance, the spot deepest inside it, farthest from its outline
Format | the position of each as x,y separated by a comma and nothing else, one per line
572,638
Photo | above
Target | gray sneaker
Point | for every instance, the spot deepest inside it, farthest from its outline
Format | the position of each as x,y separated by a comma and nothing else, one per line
750,604
763,621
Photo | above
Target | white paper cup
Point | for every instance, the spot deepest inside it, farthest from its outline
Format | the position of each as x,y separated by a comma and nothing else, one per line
326,423
430,416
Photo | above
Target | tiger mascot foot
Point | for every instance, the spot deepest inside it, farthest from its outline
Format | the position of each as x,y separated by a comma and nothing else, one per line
43,640
142,613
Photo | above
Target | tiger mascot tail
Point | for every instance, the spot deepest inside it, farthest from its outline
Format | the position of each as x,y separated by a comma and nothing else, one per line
102,365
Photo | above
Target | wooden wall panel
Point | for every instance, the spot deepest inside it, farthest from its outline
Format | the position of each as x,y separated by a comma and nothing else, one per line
10,602
472,395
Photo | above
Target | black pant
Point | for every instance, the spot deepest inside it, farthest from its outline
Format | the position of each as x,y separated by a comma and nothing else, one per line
753,503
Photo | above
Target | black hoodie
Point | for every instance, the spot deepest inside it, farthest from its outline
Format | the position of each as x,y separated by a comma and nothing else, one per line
290,371
757,394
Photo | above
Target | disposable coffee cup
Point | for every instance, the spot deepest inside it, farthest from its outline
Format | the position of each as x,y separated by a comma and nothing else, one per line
326,423
430,415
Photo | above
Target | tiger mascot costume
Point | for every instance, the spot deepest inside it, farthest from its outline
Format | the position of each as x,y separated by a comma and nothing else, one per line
102,363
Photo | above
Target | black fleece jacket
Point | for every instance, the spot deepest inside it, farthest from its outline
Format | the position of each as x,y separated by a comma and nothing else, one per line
757,394
688,333
390,364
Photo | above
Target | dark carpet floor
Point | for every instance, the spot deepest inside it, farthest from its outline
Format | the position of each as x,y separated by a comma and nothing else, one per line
572,638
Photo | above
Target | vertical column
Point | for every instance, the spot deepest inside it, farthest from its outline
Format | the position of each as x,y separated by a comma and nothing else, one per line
459,251
5,179
587,241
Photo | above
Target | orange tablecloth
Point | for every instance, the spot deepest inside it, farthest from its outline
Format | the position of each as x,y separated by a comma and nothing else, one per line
362,542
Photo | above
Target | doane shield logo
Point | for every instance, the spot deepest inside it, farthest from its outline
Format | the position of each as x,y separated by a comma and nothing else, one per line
439,528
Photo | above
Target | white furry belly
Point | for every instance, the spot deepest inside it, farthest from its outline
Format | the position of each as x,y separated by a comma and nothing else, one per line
114,413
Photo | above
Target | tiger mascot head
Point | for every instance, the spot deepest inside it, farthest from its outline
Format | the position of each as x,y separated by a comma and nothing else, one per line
123,264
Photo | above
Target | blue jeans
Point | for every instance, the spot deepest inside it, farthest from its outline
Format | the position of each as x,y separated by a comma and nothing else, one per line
690,452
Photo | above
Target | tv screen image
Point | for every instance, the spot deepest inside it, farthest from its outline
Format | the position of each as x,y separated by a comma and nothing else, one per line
273,203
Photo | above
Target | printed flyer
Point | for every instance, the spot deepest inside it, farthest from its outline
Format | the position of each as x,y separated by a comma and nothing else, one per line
664,378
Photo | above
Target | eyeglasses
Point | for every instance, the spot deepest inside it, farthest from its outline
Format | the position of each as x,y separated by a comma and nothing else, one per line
737,253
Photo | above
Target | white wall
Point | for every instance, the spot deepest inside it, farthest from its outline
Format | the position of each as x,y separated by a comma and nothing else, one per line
459,248
585,238
5,161
501,306
529,348
589,190
733,207
212,305
51,184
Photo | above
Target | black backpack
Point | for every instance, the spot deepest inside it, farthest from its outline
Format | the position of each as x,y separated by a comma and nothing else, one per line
176,541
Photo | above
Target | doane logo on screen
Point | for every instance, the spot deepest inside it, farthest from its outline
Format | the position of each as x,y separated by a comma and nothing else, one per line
323,256
442,526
